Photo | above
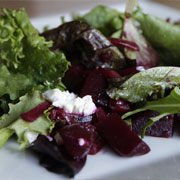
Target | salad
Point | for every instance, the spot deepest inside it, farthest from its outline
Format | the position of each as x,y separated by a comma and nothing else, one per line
106,78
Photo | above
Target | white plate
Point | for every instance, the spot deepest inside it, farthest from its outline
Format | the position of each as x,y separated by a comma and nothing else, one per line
162,163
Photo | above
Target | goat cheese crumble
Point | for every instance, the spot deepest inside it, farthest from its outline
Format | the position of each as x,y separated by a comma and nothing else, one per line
70,102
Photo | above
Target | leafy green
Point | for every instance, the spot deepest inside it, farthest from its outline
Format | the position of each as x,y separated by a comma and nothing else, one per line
163,36
26,103
105,19
150,83
25,52
13,84
165,106
12,122
5,134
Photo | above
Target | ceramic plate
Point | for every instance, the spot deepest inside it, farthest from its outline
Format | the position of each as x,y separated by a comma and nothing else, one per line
162,163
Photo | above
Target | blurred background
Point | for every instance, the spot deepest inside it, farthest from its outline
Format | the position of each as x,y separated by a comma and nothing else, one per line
41,7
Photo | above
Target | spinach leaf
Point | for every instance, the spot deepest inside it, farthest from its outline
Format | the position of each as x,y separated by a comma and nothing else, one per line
149,83
165,106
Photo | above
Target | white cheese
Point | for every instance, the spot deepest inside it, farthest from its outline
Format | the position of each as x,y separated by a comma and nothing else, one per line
70,102
31,136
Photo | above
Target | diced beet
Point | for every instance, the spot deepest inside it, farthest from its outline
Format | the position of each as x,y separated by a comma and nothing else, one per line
100,114
59,115
133,70
161,128
74,78
120,105
97,145
95,85
109,73
121,138
36,112
77,140
54,159
177,122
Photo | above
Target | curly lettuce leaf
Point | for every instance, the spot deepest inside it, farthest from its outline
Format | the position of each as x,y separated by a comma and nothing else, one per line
163,36
13,84
25,51
165,106
149,83
12,122
105,19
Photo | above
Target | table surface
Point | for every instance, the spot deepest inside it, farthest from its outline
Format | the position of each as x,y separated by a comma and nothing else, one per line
40,7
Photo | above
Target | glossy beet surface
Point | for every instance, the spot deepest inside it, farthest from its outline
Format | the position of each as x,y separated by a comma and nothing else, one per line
74,78
36,112
54,159
61,117
133,70
121,138
161,128
120,105
95,85
77,140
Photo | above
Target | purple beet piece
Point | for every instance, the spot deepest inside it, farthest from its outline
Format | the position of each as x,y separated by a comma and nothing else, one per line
121,138
100,114
36,112
132,70
74,78
59,116
177,122
54,159
95,85
161,128
109,73
77,140
120,105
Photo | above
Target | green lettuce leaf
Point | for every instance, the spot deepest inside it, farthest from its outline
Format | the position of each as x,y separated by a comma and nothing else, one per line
12,122
13,84
163,36
105,19
150,83
5,134
24,51
165,106
26,103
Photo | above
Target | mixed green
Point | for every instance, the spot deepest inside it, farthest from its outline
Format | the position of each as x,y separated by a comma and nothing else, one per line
104,46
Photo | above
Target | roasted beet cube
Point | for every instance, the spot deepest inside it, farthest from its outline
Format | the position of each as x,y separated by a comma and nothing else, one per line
95,85
74,78
100,114
161,128
120,137
77,140
133,70
97,145
59,116
109,73
120,105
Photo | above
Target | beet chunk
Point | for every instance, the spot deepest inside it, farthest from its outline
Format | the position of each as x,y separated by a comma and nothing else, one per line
161,128
120,105
54,159
61,117
121,138
95,85
36,112
74,78
77,140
